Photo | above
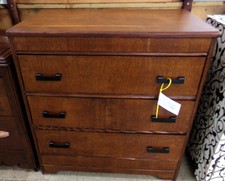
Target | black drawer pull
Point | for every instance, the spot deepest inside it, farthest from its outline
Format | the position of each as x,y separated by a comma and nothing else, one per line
158,150
40,77
61,115
52,144
161,79
171,119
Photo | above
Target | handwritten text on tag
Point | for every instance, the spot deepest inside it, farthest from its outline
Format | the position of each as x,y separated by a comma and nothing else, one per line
169,104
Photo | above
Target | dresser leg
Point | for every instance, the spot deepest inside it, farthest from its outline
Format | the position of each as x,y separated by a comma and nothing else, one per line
36,169
50,169
166,176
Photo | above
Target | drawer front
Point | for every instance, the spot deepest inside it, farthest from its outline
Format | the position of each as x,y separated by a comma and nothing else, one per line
113,114
5,109
96,164
8,124
11,157
113,145
110,74
90,44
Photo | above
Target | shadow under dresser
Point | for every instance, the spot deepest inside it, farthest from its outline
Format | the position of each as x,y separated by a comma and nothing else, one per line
91,80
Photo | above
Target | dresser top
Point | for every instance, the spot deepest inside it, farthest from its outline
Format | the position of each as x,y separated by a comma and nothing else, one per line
114,22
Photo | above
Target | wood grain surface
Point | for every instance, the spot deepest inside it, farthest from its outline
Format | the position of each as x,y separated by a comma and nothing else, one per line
107,75
108,114
16,149
109,60
114,22
111,145
92,1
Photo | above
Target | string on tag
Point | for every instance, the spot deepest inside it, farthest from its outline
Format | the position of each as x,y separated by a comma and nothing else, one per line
160,91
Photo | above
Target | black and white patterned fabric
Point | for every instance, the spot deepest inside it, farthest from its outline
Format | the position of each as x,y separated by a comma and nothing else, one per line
207,141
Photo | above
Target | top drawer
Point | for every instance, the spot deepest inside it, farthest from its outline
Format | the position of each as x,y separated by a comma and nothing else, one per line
129,45
132,75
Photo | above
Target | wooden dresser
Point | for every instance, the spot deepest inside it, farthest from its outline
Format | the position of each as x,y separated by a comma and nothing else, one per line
91,80
16,147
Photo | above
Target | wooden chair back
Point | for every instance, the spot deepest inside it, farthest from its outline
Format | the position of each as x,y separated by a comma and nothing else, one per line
13,11
15,18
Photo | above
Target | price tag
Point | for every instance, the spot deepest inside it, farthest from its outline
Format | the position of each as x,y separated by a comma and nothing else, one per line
169,104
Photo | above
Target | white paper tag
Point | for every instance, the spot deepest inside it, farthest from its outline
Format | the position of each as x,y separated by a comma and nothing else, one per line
169,104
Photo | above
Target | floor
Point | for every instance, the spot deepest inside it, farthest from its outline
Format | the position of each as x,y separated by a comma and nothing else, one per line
18,174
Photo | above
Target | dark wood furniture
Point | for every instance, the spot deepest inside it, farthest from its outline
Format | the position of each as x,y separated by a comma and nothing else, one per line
13,11
15,149
91,80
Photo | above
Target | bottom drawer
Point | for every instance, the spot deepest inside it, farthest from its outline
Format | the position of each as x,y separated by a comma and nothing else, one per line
13,157
162,169
111,145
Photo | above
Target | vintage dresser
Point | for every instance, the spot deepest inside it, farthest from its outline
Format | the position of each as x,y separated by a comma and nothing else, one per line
91,80
16,148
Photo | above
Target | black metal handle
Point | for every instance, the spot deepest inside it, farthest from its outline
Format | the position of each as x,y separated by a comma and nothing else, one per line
41,77
161,79
171,119
158,150
46,114
52,144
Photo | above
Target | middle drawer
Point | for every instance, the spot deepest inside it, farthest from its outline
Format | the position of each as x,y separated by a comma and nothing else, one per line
111,114
132,75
